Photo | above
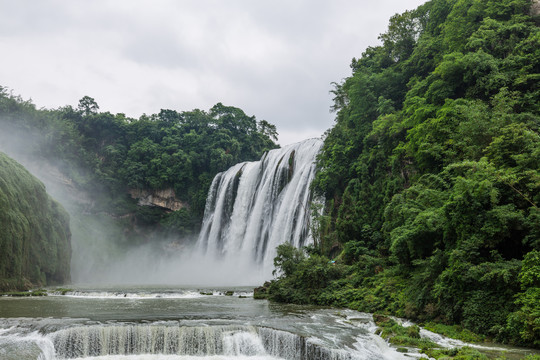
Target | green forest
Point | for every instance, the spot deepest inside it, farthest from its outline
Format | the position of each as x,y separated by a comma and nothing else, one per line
106,154
431,179
35,247
96,159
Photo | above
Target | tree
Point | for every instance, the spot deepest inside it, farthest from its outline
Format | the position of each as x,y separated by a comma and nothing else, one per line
287,259
268,129
524,324
88,106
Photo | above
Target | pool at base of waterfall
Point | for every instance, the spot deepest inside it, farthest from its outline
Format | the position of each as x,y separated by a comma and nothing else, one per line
128,323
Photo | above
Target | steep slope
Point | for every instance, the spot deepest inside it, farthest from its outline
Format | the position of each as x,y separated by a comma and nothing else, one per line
431,175
35,246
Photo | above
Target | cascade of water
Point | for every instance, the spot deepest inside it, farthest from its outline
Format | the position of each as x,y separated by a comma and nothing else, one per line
25,346
229,340
255,206
285,345
143,339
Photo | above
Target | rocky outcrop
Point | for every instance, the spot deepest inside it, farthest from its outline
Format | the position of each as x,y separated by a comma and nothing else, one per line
164,198
535,8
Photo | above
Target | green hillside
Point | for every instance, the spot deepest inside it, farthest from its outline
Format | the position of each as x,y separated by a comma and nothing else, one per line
431,176
35,247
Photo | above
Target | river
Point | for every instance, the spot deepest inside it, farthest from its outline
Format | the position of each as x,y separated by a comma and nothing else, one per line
128,323
173,323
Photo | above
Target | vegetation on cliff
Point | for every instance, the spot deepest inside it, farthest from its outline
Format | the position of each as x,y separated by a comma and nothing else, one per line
431,176
35,246
107,155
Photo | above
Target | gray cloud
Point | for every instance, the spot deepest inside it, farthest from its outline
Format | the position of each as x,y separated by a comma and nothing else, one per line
275,60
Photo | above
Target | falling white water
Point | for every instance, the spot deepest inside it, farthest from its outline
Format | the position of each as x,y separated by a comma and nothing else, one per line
25,346
255,206
222,342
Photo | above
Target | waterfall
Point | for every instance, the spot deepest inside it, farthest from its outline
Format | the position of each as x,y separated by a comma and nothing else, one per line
255,206
229,340
147,339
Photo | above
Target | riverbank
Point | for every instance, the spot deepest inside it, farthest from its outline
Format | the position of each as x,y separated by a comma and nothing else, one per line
317,281
434,340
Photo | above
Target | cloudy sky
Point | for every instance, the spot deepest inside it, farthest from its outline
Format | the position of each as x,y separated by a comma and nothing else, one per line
274,59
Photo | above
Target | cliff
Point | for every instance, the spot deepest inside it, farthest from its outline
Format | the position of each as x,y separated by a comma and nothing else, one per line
164,198
535,8
35,239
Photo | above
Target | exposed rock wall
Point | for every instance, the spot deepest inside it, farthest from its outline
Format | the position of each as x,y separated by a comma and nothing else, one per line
535,8
165,198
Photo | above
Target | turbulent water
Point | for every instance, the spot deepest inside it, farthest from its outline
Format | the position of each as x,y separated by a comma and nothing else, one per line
135,323
255,206
130,323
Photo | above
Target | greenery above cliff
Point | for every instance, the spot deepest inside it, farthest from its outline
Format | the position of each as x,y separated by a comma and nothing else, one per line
106,155
92,160
35,246
431,175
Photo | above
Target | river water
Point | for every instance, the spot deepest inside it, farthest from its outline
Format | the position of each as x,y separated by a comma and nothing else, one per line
135,323
156,323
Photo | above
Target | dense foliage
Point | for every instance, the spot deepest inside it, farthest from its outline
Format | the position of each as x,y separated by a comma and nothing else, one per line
107,155
35,246
431,175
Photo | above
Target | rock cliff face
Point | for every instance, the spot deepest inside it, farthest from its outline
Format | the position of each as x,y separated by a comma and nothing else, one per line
165,198
35,239
535,8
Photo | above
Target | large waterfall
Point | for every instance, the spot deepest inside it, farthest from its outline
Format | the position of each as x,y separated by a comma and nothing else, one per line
250,209
255,206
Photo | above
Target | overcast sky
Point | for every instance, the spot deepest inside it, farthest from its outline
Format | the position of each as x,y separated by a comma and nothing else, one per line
273,59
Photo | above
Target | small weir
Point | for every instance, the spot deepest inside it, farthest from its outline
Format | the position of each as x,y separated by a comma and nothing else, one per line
228,341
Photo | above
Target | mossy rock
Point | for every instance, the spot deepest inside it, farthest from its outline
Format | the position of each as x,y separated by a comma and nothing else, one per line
378,318
261,292
63,291
38,292
464,353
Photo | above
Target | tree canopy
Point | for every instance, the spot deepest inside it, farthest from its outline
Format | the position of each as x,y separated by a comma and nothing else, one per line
431,173
109,154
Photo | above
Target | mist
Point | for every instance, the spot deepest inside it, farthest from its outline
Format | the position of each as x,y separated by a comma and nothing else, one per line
99,256
153,265
243,226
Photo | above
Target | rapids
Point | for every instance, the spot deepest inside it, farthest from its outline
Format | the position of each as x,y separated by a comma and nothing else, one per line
151,323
